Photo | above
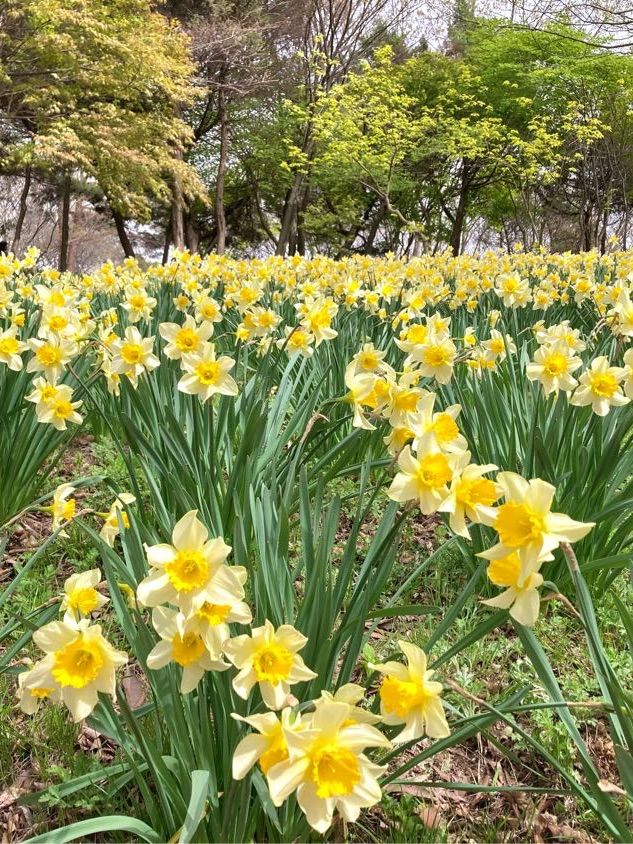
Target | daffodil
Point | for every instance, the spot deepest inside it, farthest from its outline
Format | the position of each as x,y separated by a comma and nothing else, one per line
54,404
190,572
110,528
51,356
468,492
181,643
525,522
409,696
211,621
600,387
268,658
424,477
185,339
206,375
267,746
81,597
30,693
80,662
11,349
521,594
63,506
133,354
552,366
327,768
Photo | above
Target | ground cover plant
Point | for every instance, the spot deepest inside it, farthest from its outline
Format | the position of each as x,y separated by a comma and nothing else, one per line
295,449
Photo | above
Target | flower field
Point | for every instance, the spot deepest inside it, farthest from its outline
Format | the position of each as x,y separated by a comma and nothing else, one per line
281,425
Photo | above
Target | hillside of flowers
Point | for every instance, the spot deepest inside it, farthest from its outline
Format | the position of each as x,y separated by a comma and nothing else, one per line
255,407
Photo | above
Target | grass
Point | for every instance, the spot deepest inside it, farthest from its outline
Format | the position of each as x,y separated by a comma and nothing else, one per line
44,749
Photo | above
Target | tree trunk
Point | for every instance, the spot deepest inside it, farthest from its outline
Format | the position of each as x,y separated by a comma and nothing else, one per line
291,205
17,234
167,241
192,235
126,244
373,229
220,215
177,211
457,228
177,222
65,225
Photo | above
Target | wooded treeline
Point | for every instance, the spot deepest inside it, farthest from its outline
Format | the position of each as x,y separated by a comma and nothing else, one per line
327,125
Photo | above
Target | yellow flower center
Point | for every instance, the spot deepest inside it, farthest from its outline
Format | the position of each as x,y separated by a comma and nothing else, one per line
555,364
188,571
434,471
603,384
506,571
66,509
445,428
213,614
8,346
79,663
48,355
368,360
48,393
57,298
132,353
63,409
208,372
272,663
137,302
436,356
497,346
334,769
209,311
401,436
417,334
187,649
399,697
187,340
476,491
407,401
57,323
83,600
41,692
298,340
518,524
277,750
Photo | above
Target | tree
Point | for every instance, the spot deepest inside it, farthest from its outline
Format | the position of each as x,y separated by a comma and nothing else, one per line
95,89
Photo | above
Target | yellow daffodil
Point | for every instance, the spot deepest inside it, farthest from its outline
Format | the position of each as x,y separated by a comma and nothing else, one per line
552,366
327,768
110,528
423,477
600,387
11,349
521,594
185,339
468,492
206,375
525,522
80,662
409,696
267,746
268,658
81,597
190,572
182,644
